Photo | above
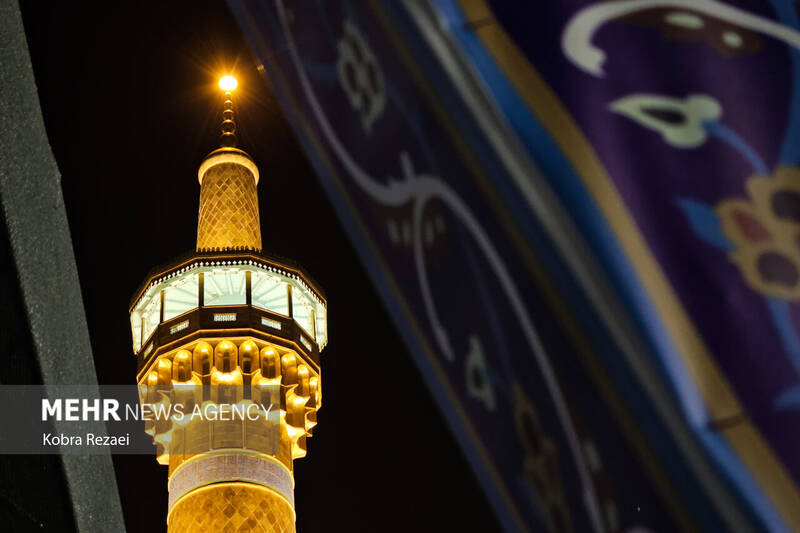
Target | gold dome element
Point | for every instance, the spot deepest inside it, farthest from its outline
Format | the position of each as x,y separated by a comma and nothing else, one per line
248,356
225,356
182,366
201,358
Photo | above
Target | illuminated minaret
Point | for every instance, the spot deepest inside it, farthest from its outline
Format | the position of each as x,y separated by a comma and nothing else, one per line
230,326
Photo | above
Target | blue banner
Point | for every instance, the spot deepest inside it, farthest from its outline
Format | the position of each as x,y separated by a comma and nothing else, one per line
583,218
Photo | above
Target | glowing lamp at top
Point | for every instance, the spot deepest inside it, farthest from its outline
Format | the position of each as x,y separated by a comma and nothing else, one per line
227,83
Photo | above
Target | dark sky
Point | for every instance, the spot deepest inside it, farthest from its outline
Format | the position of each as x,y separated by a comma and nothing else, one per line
129,101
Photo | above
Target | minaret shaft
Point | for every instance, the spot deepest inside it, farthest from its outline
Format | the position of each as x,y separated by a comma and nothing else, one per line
232,507
228,216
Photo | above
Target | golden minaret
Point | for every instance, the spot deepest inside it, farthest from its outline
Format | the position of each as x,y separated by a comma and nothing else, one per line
233,337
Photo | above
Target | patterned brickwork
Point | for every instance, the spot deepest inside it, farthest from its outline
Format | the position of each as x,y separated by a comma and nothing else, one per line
228,218
229,508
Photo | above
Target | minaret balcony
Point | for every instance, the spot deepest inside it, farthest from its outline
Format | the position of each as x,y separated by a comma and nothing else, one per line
225,295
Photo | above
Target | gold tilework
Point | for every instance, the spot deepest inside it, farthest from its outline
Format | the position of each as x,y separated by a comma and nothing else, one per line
228,218
229,508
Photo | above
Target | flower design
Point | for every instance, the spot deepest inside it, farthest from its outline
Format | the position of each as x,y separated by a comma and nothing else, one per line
360,75
765,232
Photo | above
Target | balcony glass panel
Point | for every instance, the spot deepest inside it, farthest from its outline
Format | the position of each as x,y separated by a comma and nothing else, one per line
301,309
182,294
269,292
224,287
136,330
152,313
322,330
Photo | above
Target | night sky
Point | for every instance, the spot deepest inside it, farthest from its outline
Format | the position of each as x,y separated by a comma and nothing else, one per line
131,107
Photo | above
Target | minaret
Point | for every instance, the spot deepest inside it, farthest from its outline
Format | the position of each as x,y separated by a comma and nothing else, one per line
233,337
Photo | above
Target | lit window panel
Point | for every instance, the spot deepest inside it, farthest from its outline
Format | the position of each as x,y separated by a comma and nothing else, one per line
152,314
301,309
136,330
321,326
181,295
269,292
224,287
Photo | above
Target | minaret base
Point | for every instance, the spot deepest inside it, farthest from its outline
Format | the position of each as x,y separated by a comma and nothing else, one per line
231,507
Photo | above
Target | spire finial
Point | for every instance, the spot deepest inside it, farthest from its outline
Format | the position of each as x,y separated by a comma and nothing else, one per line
228,85
228,216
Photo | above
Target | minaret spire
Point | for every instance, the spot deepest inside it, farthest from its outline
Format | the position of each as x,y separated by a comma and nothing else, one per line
228,137
228,216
